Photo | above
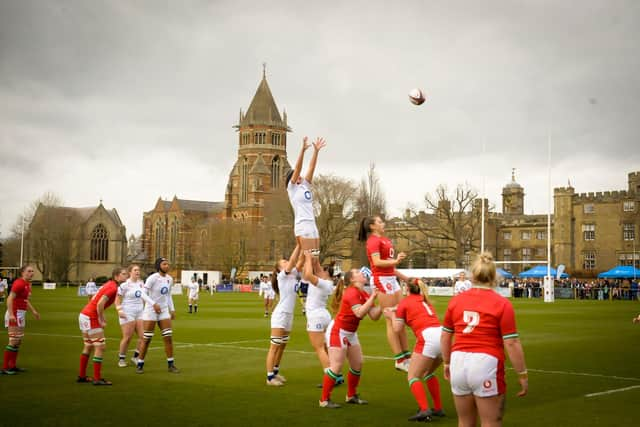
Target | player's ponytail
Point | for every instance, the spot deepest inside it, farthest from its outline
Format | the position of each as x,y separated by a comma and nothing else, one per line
365,227
483,270
417,287
337,296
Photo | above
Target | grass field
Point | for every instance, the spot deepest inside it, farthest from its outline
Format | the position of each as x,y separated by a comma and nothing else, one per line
573,348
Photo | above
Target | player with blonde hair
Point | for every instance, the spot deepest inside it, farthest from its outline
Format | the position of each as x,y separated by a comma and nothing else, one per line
483,324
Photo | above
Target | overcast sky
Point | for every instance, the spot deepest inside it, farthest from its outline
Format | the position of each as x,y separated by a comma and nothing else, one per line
127,101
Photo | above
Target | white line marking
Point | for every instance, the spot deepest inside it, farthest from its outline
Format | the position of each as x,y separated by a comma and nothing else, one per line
617,390
231,345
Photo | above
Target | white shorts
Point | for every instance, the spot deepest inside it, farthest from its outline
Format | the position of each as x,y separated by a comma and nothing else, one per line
21,318
479,374
307,230
340,338
318,320
387,284
89,326
281,320
132,315
429,343
270,294
194,297
156,317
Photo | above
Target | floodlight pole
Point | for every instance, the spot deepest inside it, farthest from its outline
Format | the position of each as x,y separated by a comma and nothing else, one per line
22,243
482,205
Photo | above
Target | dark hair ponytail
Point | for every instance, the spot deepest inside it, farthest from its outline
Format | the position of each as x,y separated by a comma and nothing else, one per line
274,281
417,286
365,227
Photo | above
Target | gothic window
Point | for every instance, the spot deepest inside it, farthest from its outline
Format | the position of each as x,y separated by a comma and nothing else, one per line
244,177
629,206
260,138
275,172
246,138
173,238
275,139
159,238
99,243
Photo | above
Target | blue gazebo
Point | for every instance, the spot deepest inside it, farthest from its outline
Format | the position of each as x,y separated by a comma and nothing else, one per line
504,273
540,271
620,272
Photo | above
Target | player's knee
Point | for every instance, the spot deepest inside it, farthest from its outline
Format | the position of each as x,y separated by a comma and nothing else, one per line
167,333
276,340
147,336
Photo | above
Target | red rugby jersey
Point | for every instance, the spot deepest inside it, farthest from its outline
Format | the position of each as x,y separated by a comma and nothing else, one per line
480,320
346,318
417,314
110,289
382,246
22,289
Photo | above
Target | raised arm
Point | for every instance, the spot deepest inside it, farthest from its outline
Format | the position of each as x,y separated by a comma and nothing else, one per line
298,167
308,275
292,259
317,146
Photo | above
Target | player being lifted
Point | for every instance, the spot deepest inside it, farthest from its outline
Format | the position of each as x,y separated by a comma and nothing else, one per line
162,312
385,277
301,198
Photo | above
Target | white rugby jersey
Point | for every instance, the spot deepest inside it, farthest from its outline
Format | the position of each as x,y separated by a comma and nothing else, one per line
318,295
132,294
159,290
287,289
194,289
461,286
301,200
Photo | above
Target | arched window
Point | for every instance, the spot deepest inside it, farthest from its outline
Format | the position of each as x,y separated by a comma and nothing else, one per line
275,172
173,237
159,238
99,243
244,176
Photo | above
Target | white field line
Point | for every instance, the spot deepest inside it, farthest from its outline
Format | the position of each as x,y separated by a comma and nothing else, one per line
617,390
232,345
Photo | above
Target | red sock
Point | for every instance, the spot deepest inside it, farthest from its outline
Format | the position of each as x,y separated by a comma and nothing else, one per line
84,360
434,390
353,379
12,359
420,394
97,366
7,357
327,387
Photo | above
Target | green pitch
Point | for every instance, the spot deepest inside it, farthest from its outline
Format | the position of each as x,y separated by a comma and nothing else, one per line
573,348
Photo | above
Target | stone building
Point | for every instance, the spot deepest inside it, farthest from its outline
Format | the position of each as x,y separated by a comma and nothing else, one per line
74,244
189,232
596,231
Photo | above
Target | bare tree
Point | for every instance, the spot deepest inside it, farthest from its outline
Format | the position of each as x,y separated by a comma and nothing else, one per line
334,205
448,229
371,199
49,239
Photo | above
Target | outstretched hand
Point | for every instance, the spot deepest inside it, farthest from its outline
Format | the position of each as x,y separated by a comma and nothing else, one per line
305,143
319,143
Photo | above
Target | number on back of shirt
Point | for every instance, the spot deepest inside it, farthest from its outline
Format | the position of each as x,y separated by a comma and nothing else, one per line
471,318
426,306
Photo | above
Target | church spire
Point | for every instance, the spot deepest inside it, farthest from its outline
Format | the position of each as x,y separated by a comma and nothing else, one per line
263,109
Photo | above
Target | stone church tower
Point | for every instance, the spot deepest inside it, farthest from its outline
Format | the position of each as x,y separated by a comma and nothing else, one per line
262,163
